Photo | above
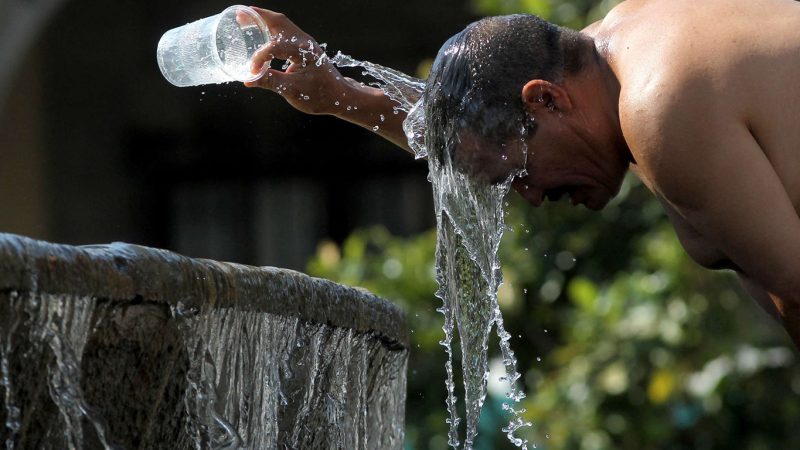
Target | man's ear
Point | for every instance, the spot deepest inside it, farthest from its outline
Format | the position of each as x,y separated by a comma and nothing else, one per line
541,95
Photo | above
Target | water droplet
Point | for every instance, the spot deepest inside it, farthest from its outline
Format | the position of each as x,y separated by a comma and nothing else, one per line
376,128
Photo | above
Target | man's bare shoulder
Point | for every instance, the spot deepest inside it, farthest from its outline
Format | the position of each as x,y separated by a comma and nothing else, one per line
673,124
726,41
657,111
686,90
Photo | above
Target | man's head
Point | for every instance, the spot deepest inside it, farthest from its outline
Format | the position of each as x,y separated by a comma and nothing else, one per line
510,87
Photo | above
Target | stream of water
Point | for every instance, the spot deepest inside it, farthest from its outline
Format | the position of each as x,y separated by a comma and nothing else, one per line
470,225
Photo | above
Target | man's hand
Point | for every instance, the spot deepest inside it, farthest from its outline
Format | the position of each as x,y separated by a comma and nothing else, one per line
310,82
313,85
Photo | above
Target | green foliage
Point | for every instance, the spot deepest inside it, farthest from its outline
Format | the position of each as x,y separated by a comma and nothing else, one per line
574,14
623,342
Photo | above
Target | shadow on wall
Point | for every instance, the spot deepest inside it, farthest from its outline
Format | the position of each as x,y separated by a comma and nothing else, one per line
97,147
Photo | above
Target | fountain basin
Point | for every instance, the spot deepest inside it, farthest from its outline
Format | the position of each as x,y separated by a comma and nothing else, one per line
123,346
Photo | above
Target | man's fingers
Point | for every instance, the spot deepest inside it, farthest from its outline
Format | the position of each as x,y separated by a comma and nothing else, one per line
284,49
276,22
287,41
244,19
262,56
274,80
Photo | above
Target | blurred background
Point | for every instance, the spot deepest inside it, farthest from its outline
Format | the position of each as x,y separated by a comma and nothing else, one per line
623,342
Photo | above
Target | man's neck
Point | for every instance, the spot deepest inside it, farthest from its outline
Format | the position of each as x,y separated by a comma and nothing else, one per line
599,89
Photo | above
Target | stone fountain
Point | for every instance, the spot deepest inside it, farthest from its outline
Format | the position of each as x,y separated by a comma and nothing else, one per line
122,346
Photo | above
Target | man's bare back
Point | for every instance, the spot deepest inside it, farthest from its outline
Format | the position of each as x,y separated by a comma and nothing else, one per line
709,107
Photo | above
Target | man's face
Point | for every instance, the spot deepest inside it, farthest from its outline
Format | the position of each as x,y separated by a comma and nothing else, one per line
487,162
556,166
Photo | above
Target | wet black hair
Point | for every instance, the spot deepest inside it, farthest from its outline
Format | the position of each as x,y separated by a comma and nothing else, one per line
477,78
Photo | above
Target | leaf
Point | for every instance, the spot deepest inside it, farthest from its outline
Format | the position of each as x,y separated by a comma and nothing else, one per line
583,293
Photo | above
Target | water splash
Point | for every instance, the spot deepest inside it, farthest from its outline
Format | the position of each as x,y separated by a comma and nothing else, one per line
470,226
402,88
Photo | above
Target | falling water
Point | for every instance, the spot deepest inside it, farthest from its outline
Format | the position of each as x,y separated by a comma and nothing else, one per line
470,226
325,374
58,328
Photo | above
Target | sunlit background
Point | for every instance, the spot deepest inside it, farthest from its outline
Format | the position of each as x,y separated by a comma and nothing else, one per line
623,342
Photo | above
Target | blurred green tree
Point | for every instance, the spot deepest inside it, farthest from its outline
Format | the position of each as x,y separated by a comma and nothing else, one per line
623,342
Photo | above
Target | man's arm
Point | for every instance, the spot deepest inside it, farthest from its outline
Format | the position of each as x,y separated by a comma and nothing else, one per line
312,84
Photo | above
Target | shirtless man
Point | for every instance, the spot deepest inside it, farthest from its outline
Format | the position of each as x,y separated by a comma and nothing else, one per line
699,99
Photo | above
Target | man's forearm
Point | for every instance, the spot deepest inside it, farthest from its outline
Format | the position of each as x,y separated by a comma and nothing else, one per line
370,108
312,83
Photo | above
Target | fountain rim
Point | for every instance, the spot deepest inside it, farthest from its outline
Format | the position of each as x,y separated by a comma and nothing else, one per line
129,272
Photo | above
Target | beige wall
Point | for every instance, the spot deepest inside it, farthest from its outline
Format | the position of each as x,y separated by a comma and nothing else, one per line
22,165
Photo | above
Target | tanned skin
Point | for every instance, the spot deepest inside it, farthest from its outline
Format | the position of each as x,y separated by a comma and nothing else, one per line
713,129
700,99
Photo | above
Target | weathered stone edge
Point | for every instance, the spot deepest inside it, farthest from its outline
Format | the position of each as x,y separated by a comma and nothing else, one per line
121,271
